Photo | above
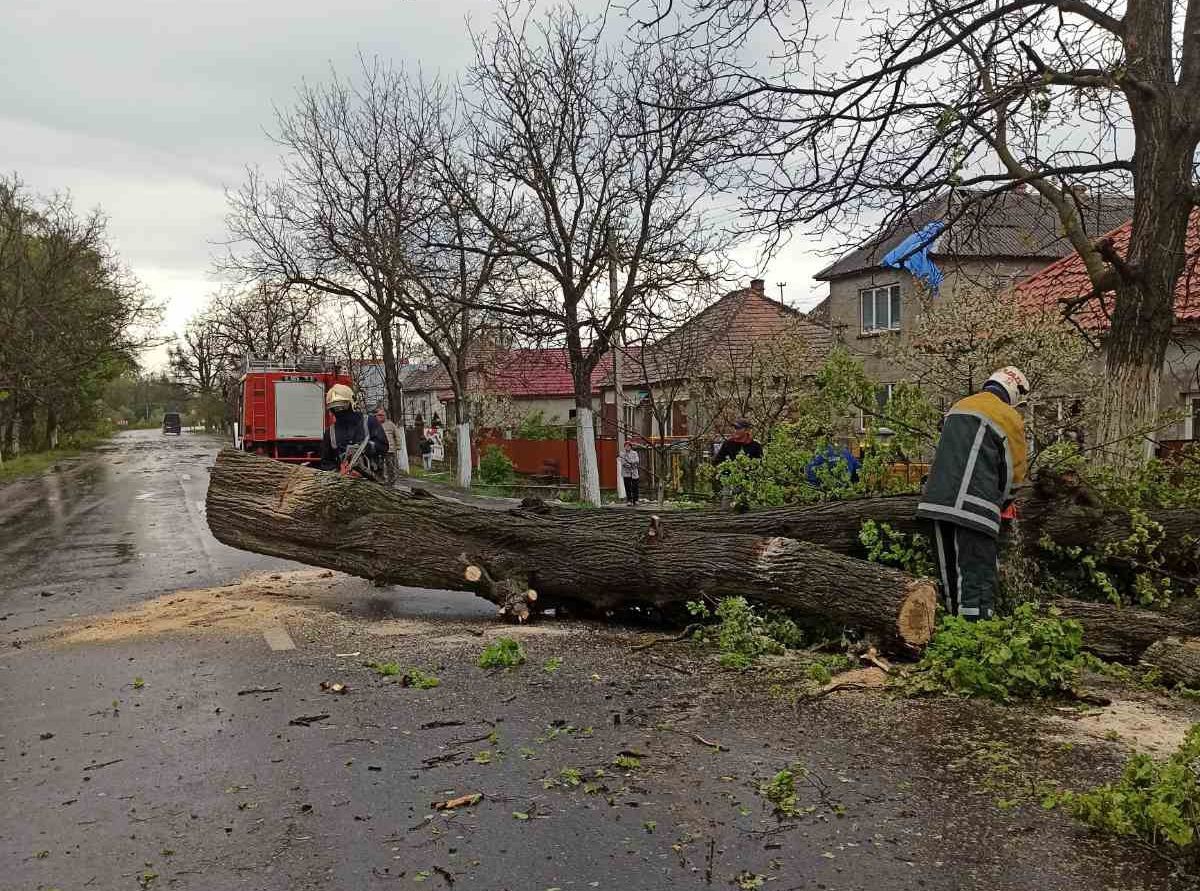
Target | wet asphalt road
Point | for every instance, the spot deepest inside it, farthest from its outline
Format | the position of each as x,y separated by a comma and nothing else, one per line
128,523
176,760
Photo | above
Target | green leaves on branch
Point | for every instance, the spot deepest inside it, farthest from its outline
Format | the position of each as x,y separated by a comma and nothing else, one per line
909,552
1125,572
1026,655
1155,801
503,652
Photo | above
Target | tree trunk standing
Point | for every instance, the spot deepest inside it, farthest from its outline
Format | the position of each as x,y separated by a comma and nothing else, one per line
618,387
589,471
391,379
51,428
1166,137
462,375
391,383
464,454
354,526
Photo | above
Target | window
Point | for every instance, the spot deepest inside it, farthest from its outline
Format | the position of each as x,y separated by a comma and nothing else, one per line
883,395
1191,421
880,309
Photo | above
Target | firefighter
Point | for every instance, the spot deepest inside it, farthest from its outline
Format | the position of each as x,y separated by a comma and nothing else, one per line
980,457
350,428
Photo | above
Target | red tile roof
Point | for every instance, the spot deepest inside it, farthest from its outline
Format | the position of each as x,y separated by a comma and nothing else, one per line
726,334
531,373
1067,279
523,373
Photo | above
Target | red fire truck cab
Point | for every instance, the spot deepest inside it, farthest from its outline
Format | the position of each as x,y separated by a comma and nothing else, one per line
281,408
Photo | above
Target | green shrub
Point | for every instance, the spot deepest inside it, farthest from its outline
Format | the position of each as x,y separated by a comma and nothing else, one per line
495,467
1155,801
503,652
909,552
535,426
1027,654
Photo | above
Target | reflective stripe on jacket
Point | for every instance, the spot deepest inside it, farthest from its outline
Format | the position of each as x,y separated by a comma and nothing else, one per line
980,457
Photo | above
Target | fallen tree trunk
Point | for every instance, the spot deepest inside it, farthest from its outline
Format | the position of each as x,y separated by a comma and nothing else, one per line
1121,634
835,524
1177,660
527,562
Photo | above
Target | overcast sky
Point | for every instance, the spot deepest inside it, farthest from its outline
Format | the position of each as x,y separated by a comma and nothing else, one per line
149,109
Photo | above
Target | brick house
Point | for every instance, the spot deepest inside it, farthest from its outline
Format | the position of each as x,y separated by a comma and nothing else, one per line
717,366
989,243
1067,279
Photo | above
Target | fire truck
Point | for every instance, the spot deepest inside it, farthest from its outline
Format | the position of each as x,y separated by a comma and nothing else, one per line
281,407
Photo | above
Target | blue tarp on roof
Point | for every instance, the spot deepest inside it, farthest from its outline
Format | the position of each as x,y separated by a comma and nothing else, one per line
912,255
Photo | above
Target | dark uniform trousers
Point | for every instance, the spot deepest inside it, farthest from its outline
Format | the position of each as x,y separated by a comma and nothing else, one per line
968,561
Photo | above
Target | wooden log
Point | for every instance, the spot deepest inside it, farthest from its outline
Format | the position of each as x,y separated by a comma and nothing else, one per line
835,524
1121,634
1177,660
364,529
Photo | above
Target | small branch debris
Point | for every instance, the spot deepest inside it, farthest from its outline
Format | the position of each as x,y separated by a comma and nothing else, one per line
450,804
104,764
306,720
249,690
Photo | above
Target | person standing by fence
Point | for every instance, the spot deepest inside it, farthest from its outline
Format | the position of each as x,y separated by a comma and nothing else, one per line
630,472
391,465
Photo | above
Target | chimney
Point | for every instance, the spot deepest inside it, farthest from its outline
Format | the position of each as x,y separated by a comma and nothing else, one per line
758,285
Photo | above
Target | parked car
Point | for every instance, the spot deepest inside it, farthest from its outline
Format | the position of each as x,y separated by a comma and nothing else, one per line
171,423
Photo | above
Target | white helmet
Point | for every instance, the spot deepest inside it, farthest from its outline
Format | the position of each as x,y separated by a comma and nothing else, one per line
1014,382
339,397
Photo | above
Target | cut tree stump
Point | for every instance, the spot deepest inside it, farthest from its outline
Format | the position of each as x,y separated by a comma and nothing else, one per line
523,561
1177,659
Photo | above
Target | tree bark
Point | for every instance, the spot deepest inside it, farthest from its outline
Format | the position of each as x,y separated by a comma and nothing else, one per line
463,439
391,379
1165,139
1177,660
835,524
1121,634
357,527
585,444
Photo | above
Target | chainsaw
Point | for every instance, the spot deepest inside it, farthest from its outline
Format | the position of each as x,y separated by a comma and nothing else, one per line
349,465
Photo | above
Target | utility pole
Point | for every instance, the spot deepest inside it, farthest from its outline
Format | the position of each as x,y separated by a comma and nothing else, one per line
617,343
781,286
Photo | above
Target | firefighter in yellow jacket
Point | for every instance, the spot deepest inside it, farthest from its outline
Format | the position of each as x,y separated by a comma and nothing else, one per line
980,457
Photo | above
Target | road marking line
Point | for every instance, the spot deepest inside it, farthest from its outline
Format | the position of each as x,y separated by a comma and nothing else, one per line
277,638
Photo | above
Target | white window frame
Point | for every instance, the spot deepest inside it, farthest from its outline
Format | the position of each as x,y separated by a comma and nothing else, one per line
1190,404
894,308
890,386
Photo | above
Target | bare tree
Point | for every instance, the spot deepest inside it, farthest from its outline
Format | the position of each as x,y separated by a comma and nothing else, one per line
1072,97
568,157
361,214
